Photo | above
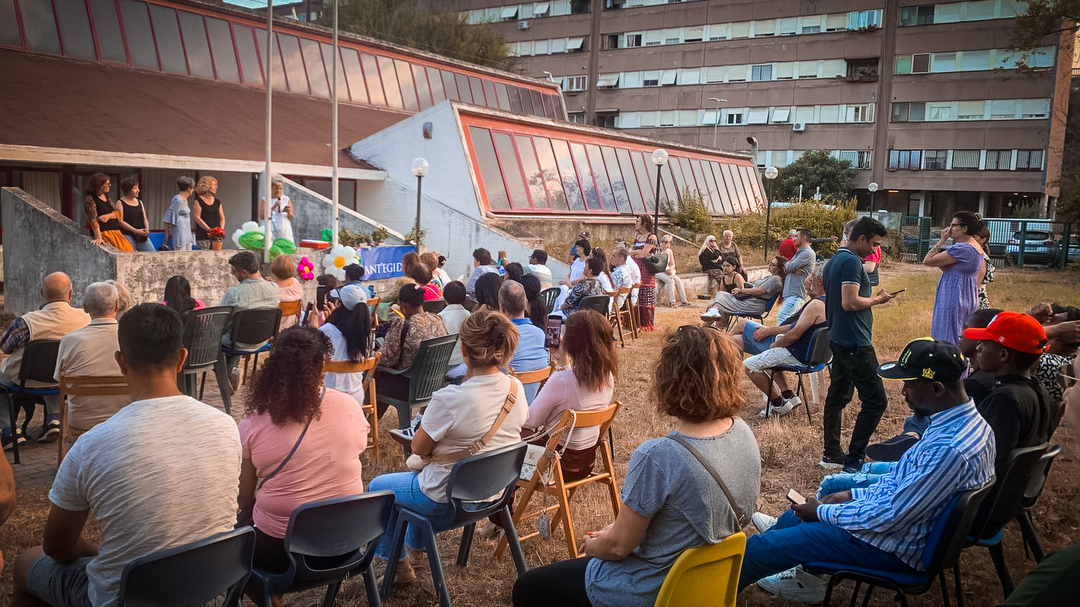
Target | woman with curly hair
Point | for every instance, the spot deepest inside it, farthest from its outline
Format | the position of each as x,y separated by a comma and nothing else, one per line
671,502
457,416
102,215
208,212
289,406
423,277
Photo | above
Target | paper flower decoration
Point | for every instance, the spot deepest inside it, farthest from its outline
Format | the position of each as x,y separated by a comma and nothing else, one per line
248,227
305,269
335,261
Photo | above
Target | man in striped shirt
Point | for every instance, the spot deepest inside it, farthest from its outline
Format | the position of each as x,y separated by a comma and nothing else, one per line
884,526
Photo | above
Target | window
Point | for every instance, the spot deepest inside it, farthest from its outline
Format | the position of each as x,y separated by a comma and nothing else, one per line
781,115
39,21
198,47
863,159
761,72
75,30
758,115
900,112
836,22
490,173
408,89
689,76
903,64
667,118
965,159
971,110
630,80
784,71
609,41
920,63
734,116
540,9
576,83
249,55
574,45
740,30
973,61
294,63
668,77
737,73
905,159
862,70
829,114
633,40
672,36
110,41
651,78
9,25
943,62
577,117
607,81
860,113
694,34
718,32
808,69
811,29
947,13
509,13
714,74
653,38
221,47
1034,108
936,160
764,28
998,160
859,20
374,83
167,33
648,119
1002,109
940,111
1029,160
787,26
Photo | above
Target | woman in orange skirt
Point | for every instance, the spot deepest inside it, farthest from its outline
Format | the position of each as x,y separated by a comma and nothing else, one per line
102,216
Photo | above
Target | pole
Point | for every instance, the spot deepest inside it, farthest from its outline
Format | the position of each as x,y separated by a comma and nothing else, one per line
715,124
656,213
416,233
268,234
800,193
768,216
334,138
872,201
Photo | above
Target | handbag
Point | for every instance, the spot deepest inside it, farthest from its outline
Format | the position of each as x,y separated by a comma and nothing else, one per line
656,263
740,516
245,517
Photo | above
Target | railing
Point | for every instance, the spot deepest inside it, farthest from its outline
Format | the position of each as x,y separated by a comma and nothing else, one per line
1013,242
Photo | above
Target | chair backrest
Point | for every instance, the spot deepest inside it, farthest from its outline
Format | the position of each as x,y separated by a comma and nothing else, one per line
1006,500
435,306
373,305
114,385
818,351
478,477
949,534
291,308
349,527
39,361
548,296
344,366
1038,480
428,371
255,325
597,417
190,575
705,575
772,302
202,335
600,303
534,376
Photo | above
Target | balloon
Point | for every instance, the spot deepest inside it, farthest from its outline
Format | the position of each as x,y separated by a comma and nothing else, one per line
326,235
252,241
250,226
284,245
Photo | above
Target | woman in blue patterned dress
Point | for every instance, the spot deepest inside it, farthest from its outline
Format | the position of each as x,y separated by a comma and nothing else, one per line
961,265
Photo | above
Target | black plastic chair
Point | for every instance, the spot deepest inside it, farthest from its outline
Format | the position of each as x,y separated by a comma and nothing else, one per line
600,303
759,316
38,365
943,547
191,575
1005,503
435,306
257,326
818,356
548,296
426,375
471,480
326,541
202,338
1031,497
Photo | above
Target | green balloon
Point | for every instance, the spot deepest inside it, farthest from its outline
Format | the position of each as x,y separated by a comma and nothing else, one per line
284,245
274,252
326,235
252,241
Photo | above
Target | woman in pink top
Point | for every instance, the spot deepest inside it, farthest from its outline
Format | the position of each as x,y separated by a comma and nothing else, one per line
287,400
423,277
587,382
283,272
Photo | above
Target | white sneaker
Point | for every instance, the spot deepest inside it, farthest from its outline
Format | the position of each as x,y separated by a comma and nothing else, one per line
711,313
776,411
796,585
794,401
763,522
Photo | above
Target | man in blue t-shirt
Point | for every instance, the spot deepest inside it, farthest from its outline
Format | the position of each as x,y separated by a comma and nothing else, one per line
854,362
530,353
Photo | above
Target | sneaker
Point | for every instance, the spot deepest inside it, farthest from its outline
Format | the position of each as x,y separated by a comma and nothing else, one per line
830,462
852,466
778,410
795,584
710,313
763,522
794,401
704,296
687,304
403,437
51,431
891,450
8,442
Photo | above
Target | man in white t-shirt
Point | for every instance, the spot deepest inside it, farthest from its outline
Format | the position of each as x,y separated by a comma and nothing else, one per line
162,472
453,315
538,268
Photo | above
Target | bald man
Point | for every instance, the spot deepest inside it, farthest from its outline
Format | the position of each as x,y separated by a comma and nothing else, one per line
53,321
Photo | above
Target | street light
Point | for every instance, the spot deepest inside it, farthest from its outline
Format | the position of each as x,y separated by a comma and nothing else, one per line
717,120
659,158
419,168
873,187
770,174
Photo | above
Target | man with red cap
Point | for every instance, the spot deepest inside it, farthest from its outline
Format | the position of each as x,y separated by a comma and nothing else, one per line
1017,407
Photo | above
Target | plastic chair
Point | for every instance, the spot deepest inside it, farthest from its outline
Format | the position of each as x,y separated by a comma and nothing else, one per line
1005,503
535,376
191,575
472,481
202,338
758,317
435,306
548,296
250,327
116,385
325,542
365,366
548,478
818,356
426,375
599,303
38,365
291,308
1031,497
706,575
943,546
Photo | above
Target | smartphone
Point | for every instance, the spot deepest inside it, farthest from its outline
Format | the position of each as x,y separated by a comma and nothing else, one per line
794,497
553,333
895,293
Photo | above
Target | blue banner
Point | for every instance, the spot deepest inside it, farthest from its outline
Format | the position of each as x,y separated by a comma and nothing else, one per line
383,262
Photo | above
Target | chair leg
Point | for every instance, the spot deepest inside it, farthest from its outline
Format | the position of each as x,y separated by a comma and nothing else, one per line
828,590
855,593
371,588
801,389
331,594
434,562
944,588
466,544
956,582
997,553
222,375
396,546
1031,537
14,415
510,531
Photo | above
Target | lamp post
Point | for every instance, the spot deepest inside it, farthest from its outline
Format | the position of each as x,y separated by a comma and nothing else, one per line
659,158
419,168
873,187
770,174
716,122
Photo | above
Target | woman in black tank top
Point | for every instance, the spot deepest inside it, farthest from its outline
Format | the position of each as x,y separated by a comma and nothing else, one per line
102,217
208,213
133,223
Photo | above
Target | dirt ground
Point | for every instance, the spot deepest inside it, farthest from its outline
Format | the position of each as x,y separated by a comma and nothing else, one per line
790,449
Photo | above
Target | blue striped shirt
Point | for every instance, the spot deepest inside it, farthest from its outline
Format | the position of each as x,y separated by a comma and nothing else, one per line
897,513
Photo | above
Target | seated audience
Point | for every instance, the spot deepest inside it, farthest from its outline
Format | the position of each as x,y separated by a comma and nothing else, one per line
538,267
605,274
457,416
149,486
178,295
124,299
324,297
288,407
452,316
710,258
530,353
403,341
441,273
589,285
740,299
283,274
353,273
482,264
349,328
537,311
53,321
514,271
884,526
1062,351
253,293
671,281
621,276
670,501
579,252
431,260
635,274
422,275
487,292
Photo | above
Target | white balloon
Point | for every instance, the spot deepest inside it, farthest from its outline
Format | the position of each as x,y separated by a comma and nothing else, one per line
337,273
236,236
249,226
348,253
328,261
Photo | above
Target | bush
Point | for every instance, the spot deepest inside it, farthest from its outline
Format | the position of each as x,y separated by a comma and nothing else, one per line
823,222
692,214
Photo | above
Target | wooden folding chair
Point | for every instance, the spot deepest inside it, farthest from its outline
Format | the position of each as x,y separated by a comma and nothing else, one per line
373,307
548,477
113,385
534,376
635,310
365,366
291,308
616,312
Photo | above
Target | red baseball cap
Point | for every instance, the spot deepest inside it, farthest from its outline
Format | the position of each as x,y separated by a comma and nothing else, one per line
1015,331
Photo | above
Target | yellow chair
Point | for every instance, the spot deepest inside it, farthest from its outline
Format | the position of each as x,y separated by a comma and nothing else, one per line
291,308
365,366
706,575
83,386
534,376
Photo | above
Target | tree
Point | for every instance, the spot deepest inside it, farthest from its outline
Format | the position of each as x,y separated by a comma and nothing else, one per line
407,23
814,169
1043,18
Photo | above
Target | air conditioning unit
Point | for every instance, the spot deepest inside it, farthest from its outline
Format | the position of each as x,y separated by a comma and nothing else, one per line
523,24
798,127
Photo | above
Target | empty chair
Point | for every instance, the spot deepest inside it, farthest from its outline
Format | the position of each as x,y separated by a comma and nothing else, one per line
548,296
203,329
1031,497
534,376
290,309
191,575
599,303
38,365
706,575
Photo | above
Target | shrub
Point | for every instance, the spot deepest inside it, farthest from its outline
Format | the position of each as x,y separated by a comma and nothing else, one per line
691,214
353,239
822,221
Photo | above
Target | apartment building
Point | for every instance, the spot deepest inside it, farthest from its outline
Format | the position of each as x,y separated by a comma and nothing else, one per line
924,99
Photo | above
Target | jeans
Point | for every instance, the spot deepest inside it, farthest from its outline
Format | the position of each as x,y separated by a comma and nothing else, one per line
671,284
52,406
790,306
406,488
561,583
853,368
845,481
916,425
792,542
145,246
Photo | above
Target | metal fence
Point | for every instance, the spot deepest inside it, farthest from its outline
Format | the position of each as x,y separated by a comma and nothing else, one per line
1013,242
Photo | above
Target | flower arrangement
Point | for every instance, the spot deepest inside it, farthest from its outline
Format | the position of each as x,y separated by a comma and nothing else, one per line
216,234
305,269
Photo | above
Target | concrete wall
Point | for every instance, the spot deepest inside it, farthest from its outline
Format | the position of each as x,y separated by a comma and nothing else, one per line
315,212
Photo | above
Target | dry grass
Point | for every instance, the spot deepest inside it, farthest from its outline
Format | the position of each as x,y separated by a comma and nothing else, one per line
790,451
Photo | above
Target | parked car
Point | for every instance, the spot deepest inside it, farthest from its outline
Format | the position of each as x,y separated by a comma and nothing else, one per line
1040,248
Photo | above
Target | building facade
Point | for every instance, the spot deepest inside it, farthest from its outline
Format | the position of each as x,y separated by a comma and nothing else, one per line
924,99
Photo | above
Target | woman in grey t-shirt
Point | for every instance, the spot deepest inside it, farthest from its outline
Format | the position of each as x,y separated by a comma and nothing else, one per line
671,502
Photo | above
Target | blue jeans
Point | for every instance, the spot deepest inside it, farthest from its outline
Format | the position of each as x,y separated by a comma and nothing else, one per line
406,488
52,406
844,481
750,345
916,425
792,542
790,306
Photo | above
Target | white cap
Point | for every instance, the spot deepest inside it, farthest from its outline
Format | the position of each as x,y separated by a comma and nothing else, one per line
351,295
